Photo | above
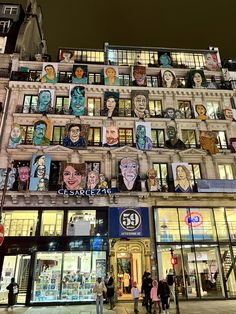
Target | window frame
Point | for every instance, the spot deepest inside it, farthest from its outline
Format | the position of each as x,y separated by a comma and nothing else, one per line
161,180
188,144
156,144
94,112
125,102
32,97
126,142
93,142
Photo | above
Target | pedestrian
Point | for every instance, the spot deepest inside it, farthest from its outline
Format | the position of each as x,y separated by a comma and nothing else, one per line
154,296
13,288
146,288
111,292
143,277
164,292
99,289
170,281
135,295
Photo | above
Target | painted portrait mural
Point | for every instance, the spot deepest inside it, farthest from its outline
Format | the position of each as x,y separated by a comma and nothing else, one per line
110,136
80,74
23,177
45,101
11,178
42,132
76,135
66,56
208,141
211,62
197,79
228,114
40,172
152,181
169,113
182,177
139,76
111,104
168,78
77,100
73,176
173,141
16,136
201,112
111,75
164,59
93,180
129,179
49,73
140,101
143,135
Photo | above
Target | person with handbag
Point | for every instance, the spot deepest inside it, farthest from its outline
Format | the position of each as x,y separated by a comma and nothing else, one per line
13,288
99,290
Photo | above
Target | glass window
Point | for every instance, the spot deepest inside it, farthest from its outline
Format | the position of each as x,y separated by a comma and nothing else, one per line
10,10
166,224
221,223
155,108
65,77
125,108
58,135
52,223
152,81
126,137
226,172
30,103
213,109
35,75
124,79
231,219
189,138
162,175
185,108
94,106
20,223
195,171
94,78
222,140
94,137
93,166
158,138
62,105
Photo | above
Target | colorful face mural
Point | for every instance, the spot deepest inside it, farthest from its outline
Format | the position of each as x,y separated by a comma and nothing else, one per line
233,144
76,135
152,181
140,103
201,112
16,136
208,141
23,177
211,62
40,172
129,178
111,75
212,84
110,136
111,104
143,135
228,113
168,79
139,76
42,131
197,79
45,101
11,178
66,56
80,74
169,113
92,180
173,141
73,176
77,100
102,182
49,73
164,60
182,177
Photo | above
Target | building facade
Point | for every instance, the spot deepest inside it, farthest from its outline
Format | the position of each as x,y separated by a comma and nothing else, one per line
111,158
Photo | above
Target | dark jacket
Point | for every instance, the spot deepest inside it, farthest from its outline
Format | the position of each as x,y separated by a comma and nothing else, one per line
163,289
110,287
147,286
12,297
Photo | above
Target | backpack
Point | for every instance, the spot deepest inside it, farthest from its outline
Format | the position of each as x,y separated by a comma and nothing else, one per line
15,289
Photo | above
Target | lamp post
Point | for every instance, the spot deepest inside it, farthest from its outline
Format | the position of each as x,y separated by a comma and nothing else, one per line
174,262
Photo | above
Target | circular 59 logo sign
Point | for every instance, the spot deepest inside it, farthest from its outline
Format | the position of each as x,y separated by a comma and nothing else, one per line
130,219
194,219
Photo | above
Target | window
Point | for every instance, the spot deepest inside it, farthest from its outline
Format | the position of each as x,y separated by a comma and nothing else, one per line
195,171
158,138
188,60
213,109
62,105
152,81
162,175
124,79
222,141
94,137
58,135
20,223
93,166
189,138
28,131
226,172
35,75
185,108
52,223
30,103
94,106
10,10
125,108
126,137
155,108
4,26
64,77
94,78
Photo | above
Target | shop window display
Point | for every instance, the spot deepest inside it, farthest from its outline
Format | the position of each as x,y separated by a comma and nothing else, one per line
81,222
52,222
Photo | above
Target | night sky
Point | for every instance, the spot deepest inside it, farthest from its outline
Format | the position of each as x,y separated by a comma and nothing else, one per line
151,23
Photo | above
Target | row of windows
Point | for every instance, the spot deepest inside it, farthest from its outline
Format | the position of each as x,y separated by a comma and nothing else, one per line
95,107
126,137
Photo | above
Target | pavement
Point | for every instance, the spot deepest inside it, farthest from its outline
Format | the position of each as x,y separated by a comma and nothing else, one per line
186,307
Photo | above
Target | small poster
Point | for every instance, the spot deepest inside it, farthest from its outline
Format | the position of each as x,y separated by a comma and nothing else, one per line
100,268
49,73
182,177
40,172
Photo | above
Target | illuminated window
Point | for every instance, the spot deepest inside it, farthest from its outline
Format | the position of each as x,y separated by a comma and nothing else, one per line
231,218
162,175
94,137
62,105
226,172
222,141
155,108
189,138
94,106
10,10
166,224
30,103
125,108
185,108
94,78
213,109
52,223
158,138
152,81
124,79
126,137
195,171
27,137
58,135
93,166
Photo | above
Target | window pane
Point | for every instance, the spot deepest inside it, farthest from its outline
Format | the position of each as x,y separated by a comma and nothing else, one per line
20,223
166,224
52,222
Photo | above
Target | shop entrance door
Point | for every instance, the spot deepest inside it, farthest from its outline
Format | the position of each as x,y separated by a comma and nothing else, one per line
16,266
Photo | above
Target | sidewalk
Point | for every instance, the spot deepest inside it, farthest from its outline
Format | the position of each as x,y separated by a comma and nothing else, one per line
188,307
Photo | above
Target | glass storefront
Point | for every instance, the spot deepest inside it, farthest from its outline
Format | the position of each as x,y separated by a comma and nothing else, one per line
200,238
67,276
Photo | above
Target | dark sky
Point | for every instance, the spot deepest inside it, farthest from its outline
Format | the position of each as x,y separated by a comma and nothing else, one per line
152,23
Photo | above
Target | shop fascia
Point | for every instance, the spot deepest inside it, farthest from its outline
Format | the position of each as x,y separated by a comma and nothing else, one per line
87,192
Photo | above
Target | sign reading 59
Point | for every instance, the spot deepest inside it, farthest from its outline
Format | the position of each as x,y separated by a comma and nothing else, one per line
194,219
130,219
